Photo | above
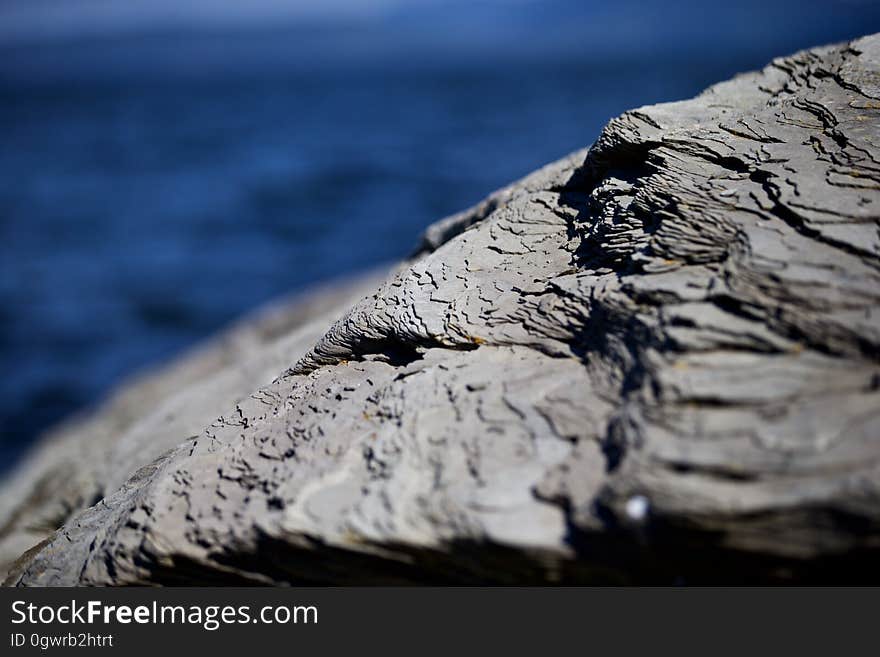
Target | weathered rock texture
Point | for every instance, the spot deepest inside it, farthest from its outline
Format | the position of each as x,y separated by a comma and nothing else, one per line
658,359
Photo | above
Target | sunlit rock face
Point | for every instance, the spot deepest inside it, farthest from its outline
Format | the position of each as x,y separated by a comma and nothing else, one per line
655,360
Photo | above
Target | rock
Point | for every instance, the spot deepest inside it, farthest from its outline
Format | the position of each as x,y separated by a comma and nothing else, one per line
93,455
654,361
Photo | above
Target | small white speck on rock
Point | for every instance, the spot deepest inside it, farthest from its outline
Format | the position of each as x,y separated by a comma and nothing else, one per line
638,507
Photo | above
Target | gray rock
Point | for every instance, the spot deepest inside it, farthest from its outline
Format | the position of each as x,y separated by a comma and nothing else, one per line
658,359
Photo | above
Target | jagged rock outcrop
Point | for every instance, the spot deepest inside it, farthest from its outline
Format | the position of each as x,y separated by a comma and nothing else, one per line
655,360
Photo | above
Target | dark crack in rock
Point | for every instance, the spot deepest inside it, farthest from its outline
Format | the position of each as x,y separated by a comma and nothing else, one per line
657,360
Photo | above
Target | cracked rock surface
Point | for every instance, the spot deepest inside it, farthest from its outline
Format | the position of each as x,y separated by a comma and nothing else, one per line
655,360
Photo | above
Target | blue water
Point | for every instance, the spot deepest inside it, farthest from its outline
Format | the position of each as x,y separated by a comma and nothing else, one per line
154,187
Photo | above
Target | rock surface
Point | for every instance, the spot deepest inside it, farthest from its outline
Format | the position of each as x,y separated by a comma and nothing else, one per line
657,360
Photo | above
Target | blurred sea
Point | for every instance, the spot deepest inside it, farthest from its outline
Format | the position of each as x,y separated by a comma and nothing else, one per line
155,186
